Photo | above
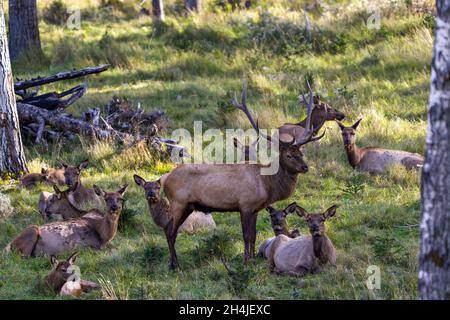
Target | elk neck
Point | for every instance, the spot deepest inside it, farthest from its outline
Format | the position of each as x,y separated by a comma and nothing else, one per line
321,248
107,227
354,154
55,281
316,122
160,212
281,185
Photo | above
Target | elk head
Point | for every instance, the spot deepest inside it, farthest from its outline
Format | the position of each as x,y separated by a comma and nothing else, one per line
324,111
151,188
64,269
349,133
114,200
278,217
316,221
72,173
54,204
291,155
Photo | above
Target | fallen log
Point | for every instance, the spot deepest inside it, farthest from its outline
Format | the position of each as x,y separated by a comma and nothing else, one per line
39,81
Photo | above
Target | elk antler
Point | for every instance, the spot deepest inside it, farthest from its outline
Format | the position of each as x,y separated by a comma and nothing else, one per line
307,135
243,107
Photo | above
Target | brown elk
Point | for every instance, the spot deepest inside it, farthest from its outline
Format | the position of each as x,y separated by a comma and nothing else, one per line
81,198
57,205
235,187
278,220
375,160
63,280
304,254
54,176
160,210
30,180
91,230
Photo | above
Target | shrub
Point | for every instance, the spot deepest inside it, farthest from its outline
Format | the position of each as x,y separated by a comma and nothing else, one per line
56,13
214,245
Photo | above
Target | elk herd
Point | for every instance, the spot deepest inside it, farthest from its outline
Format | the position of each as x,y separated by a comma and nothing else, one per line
183,199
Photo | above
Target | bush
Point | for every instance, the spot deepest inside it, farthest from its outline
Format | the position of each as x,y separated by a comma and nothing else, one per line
6,208
214,245
56,13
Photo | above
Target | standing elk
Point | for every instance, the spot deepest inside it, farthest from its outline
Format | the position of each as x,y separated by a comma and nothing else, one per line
81,198
160,210
92,230
375,160
235,187
64,282
304,254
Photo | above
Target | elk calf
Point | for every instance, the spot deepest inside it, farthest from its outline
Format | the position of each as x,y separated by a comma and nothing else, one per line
64,282
278,220
304,254
54,176
30,180
92,230
160,209
375,160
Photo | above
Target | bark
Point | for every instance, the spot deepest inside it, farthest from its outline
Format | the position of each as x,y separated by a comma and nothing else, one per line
434,257
23,28
158,10
12,158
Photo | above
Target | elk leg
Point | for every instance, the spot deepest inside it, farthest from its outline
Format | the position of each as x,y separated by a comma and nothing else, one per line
179,214
26,241
249,232
254,217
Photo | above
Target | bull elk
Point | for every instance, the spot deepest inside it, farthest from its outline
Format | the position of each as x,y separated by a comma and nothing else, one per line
92,230
321,113
235,187
304,254
375,160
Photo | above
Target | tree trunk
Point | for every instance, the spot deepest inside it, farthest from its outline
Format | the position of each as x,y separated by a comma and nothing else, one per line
158,10
193,5
12,158
434,258
23,28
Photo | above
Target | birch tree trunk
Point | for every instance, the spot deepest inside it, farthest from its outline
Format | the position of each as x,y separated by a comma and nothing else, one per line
434,258
158,10
12,158
23,28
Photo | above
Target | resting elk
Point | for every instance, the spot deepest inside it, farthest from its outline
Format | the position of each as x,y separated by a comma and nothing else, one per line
63,280
81,198
235,187
278,220
56,206
375,160
304,254
92,230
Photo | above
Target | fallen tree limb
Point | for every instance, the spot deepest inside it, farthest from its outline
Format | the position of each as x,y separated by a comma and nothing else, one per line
25,84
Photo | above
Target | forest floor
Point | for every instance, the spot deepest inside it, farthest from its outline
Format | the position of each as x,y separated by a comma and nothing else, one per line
189,67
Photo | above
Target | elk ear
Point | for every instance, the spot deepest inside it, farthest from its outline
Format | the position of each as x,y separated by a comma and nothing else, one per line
356,124
74,187
44,171
331,211
270,209
316,99
72,258
65,165
139,180
123,189
290,208
57,191
236,143
54,261
83,164
301,212
98,191
340,125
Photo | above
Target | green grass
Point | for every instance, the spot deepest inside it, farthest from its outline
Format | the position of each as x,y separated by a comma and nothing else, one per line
190,67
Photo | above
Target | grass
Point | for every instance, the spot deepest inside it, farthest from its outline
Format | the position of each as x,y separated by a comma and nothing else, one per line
190,67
